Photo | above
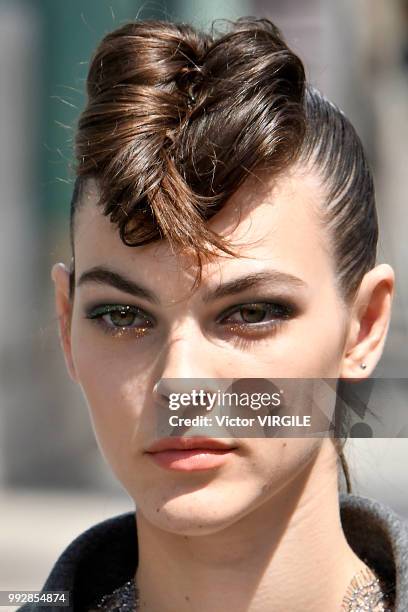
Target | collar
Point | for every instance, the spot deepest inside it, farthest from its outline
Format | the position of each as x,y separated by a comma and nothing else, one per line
106,556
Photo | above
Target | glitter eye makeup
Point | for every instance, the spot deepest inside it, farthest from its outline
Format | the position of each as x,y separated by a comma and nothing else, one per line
253,317
122,318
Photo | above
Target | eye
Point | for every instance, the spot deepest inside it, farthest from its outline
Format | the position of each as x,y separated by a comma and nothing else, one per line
257,316
119,319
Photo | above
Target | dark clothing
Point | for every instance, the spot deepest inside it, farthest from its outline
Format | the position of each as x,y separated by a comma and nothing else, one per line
105,556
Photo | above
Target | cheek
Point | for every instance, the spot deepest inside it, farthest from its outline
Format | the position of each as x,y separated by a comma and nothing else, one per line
324,340
103,379
276,462
312,345
266,466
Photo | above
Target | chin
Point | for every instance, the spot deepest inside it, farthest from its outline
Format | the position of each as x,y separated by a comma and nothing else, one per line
191,513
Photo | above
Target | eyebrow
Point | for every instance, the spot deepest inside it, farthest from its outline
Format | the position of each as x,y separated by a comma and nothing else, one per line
104,275
254,280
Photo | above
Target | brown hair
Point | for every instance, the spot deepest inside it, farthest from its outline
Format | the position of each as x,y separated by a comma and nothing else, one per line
177,119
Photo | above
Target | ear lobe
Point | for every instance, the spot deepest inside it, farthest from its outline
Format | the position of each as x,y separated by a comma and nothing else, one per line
369,323
60,276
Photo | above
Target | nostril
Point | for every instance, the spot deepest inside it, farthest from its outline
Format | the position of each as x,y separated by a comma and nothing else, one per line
161,389
159,394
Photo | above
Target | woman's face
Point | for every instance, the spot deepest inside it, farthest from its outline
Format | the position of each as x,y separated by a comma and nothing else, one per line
298,330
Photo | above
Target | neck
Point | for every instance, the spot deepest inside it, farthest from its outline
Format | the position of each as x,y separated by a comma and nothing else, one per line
290,553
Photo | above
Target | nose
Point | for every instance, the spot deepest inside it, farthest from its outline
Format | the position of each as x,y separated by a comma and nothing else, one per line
188,359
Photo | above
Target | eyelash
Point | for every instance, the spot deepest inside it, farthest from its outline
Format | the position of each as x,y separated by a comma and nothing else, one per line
286,311
97,313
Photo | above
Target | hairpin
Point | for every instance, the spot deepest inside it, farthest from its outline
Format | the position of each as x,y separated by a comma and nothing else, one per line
191,98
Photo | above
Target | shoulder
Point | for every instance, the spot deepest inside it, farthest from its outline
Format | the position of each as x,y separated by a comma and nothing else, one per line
378,535
99,560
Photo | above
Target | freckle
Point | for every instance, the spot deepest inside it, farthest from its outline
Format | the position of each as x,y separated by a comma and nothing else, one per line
284,444
157,509
187,598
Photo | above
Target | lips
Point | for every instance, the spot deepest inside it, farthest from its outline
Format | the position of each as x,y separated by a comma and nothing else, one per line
174,443
190,454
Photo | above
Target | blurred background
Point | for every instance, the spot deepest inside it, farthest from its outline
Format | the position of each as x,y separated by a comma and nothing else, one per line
53,481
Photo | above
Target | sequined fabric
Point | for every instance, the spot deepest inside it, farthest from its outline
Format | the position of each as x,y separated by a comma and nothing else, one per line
368,593
123,599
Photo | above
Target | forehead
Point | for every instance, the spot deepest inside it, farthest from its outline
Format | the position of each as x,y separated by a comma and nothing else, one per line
273,223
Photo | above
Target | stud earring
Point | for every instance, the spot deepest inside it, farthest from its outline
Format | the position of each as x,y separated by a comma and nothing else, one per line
363,366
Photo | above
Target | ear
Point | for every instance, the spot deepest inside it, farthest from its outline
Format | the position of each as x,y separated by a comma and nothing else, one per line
369,322
60,275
